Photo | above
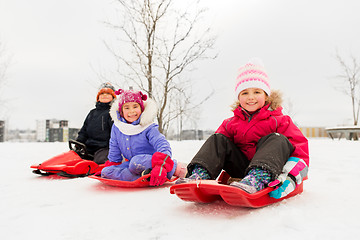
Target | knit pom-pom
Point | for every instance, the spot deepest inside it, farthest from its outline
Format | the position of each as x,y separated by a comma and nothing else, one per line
143,96
118,92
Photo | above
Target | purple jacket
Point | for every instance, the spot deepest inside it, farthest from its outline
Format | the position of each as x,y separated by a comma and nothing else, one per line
140,137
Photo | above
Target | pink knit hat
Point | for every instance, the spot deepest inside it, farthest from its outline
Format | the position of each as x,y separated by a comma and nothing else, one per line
126,96
252,75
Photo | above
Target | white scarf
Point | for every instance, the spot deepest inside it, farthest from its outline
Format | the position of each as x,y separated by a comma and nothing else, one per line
147,118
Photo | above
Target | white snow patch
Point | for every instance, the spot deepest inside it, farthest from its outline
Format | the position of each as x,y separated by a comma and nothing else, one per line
35,207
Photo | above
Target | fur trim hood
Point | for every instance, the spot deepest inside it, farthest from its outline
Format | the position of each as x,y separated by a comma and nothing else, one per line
146,119
275,101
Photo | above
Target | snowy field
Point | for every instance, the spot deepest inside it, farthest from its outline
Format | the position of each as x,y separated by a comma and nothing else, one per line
36,207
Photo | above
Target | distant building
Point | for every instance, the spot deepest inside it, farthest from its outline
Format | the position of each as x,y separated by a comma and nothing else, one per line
2,131
52,130
18,135
313,132
41,130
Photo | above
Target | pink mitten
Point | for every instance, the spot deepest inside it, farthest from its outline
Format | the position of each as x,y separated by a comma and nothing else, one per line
294,171
161,165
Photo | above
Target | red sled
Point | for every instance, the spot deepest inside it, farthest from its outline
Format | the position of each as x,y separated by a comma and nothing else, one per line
207,191
138,183
68,164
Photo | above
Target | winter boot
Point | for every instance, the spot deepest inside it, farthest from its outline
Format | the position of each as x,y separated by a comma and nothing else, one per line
256,180
146,172
199,173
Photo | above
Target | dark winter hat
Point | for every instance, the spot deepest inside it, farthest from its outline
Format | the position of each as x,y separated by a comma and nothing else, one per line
252,75
106,88
126,96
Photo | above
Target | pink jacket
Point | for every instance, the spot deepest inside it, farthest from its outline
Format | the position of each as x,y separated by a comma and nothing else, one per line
245,130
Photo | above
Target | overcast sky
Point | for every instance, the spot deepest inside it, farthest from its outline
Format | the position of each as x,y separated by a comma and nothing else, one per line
56,45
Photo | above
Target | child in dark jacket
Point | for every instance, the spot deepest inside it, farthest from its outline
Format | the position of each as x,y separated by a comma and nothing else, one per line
95,132
136,145
259,144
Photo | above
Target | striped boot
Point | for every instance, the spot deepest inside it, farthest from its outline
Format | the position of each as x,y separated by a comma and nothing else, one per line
256,180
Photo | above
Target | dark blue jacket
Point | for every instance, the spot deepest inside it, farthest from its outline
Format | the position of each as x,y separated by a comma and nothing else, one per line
95,132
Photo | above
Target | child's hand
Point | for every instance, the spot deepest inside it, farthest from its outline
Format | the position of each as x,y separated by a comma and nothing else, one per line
285,185
161,165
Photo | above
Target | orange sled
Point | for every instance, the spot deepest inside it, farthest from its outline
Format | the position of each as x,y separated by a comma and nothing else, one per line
206,191
69,164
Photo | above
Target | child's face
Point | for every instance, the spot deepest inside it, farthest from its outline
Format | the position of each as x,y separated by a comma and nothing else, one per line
252,99
105,98
131,111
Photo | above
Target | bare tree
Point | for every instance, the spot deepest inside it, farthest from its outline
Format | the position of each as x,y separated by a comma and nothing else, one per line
164,43
5,61
3,65
351,76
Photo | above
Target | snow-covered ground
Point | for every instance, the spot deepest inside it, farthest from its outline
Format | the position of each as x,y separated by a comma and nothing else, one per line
35,207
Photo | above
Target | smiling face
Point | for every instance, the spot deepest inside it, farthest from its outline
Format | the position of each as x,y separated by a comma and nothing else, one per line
252,99
105,97
131,111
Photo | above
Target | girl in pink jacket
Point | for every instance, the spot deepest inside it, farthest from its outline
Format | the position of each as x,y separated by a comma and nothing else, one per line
259,144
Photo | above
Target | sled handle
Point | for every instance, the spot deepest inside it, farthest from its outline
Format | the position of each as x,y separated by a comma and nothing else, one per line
82,151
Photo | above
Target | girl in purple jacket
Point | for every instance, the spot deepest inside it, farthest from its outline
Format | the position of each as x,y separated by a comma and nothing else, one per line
258,145
136,144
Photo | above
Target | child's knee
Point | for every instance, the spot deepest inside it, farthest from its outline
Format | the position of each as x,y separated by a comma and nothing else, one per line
139,163
275,139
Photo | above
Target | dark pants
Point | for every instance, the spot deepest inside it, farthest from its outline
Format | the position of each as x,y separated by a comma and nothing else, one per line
219,153
101,155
